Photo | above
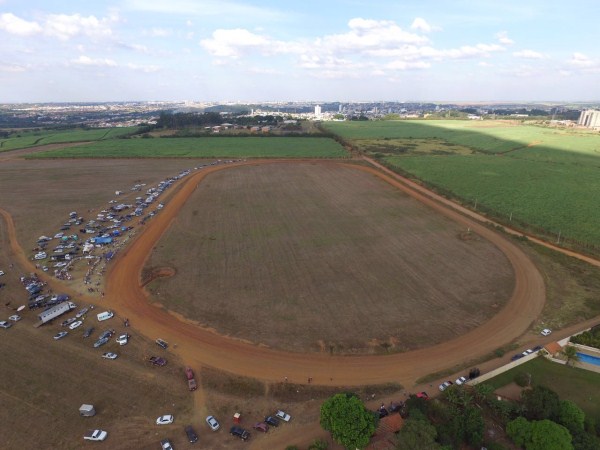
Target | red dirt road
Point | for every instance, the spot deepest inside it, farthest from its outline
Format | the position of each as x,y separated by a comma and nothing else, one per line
198,346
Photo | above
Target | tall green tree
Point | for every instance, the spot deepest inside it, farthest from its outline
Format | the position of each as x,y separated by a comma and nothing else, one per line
417,434
350,423
570,353
571,416
541,403
539,435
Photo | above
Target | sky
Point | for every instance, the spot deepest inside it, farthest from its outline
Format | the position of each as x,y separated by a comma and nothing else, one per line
327,50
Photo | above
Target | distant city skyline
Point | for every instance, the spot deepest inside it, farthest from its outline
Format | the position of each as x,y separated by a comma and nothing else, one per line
338,50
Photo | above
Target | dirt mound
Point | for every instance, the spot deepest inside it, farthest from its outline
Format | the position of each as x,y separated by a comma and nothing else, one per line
152,273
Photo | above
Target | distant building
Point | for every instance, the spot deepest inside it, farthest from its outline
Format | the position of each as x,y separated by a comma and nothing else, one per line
589,118
318,111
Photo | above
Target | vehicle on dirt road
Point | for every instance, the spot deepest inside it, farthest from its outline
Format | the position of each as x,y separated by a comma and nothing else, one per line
166,444
4,324
75,324
110,355
261,426
162,344
88,332
422,395
239,432
191,434
95,435
123,339
460,380
189,374
283,416
546,332
100,342
272,421
212,423
60,335
15,318
165,420
445,385
158,361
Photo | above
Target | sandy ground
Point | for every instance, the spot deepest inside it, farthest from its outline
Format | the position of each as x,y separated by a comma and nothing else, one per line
200,347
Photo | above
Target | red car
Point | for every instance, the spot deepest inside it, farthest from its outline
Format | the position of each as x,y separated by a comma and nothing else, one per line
261,426
423,395
189,373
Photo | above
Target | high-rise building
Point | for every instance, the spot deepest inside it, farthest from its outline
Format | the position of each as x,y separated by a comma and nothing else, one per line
318,111
589,118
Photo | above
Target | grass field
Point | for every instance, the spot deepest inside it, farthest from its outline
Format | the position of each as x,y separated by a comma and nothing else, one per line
533,177
35,138
210,147
325,258
578,385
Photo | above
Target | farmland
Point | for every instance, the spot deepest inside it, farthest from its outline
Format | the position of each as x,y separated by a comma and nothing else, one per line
532,177
207,147
26,139
325,259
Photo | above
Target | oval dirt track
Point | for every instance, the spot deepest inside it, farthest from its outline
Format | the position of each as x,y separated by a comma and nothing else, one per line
198,346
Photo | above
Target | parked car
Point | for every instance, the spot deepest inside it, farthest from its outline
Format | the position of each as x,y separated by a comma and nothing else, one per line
162,343
166,444
95,435
261,426
212,423
88,332
1,272
69,321
445,385
191,434
537,348
75,324
110,355
546,332
527,352
460,380
60,335
283,416
189,373
165,420
107,334
157,361
272,421
15,318
4,324
422,395
123,339
100,342
517,356
382,412
81,313
239,432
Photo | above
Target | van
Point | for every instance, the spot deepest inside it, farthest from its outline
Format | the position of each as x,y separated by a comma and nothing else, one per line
105,316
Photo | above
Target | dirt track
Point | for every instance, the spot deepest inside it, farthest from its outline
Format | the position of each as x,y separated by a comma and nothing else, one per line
202,347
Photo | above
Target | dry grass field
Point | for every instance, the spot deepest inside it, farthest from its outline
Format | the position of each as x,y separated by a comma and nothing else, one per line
323,258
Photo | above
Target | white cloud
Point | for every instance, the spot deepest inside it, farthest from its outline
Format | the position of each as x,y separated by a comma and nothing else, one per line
9,67
98,62
503,38
529,54
421,24
581,60
233,43
159,32
65,26
60,26
14,25
143,68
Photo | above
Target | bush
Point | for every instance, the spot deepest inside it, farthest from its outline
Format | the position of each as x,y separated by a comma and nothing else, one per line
319,444
523,379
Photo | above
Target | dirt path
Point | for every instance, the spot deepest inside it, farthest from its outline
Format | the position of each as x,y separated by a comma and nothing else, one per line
20,152
202,347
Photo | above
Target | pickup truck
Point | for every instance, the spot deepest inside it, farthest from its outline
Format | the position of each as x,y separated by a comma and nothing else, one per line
95,435
189,374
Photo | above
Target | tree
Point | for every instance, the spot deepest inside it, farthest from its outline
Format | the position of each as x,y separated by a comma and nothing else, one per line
539,435
541,403
519,430
319,444
571,416
417,434
548,435
570,353
348,421
483,391
474,426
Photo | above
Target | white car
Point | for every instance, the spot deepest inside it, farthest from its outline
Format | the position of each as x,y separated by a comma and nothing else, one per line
212,423
1,272
166,444
75,324
460,380
60,335
40,255
283,416
105,316
4,324
123,339
546,332
95,435
15,318
165,420
445,385
81,313
109,355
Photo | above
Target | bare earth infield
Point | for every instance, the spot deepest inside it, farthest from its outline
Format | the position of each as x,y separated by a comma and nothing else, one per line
325,258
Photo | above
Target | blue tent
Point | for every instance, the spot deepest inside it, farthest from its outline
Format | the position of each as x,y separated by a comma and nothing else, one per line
102,240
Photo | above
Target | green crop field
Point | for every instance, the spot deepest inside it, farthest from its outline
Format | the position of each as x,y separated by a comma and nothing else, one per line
27,139
210,147
537,178
578,385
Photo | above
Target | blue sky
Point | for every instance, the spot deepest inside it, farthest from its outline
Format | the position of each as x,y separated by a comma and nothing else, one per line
338,50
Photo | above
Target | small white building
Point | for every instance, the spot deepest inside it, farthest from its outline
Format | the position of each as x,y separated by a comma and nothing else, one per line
589,118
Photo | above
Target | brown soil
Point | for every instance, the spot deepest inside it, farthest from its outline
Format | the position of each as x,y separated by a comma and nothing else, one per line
323,258
203,347
149,275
